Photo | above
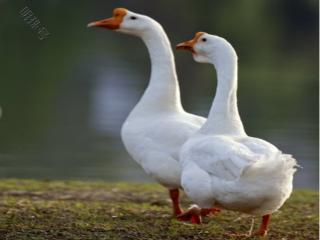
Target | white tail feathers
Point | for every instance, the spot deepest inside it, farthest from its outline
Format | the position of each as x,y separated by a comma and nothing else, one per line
282,167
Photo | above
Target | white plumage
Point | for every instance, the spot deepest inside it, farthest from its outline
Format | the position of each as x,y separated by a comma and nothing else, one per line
155,141
158,126
221,165
242,173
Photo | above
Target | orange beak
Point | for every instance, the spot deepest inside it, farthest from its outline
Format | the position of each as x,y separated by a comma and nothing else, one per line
112,23
189,45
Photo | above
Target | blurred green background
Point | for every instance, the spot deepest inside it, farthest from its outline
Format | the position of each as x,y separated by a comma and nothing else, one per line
64,98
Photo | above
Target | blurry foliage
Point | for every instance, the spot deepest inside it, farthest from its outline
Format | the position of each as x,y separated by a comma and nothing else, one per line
45,86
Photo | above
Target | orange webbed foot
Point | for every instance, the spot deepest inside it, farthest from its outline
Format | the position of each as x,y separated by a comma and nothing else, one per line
191,215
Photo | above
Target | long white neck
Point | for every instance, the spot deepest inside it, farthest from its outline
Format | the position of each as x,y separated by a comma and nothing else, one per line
224,116
163,91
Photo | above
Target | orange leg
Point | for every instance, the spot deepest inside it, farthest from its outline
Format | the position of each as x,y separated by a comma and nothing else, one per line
264,226
174,195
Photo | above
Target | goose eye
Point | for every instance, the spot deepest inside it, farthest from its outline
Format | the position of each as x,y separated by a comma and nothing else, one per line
204,39
133,18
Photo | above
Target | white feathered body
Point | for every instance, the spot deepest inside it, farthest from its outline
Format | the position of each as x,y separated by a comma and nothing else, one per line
238,173
157,127
154,141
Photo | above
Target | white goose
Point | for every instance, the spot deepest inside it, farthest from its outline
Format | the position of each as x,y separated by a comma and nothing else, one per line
221,165
158,126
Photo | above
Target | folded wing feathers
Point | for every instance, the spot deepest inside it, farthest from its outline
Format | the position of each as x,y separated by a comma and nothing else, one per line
232,168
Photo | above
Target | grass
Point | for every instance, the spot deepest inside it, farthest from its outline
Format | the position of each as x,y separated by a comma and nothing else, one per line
83,210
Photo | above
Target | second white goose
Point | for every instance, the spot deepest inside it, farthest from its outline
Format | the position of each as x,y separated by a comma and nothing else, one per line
221,165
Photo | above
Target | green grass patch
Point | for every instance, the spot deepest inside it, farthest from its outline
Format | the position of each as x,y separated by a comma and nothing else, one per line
32,209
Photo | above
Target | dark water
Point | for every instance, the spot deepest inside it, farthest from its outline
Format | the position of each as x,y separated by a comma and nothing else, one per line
65,97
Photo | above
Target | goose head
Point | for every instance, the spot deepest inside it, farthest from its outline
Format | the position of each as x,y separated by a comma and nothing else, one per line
207,48
126,21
